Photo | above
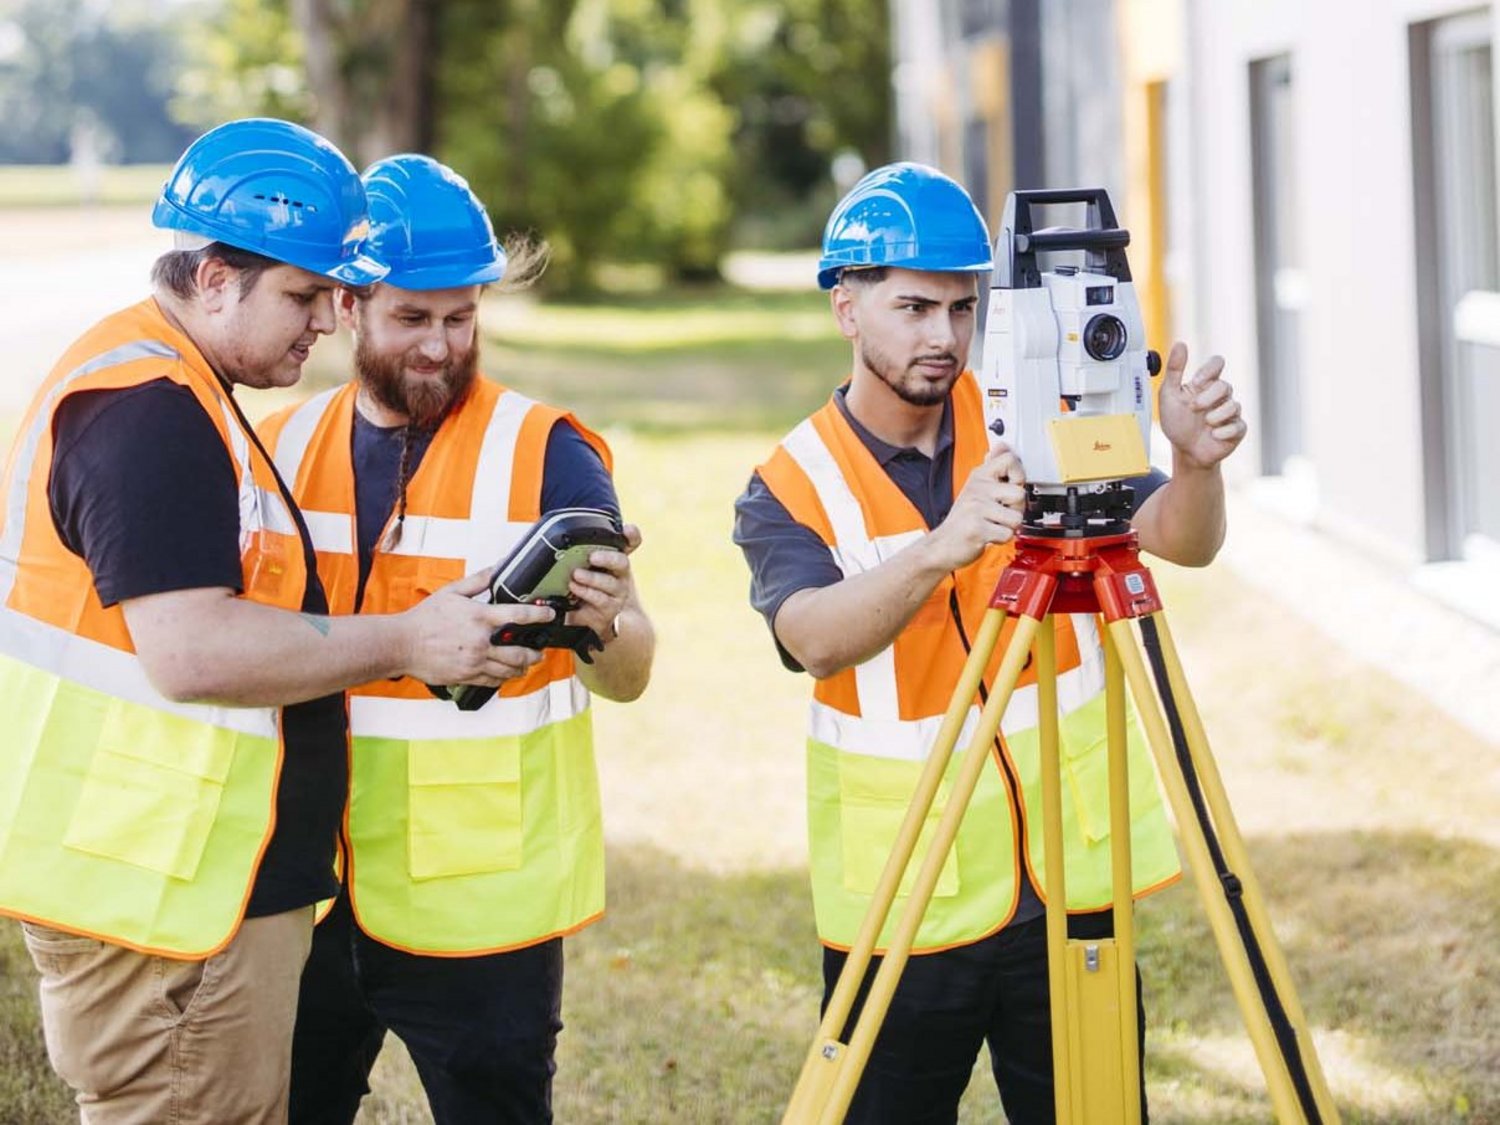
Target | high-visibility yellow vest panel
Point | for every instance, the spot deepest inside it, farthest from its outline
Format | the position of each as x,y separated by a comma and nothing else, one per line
123,815
871,726
467,832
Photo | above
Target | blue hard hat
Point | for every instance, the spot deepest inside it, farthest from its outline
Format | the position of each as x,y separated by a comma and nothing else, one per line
906,215
429,226
276,189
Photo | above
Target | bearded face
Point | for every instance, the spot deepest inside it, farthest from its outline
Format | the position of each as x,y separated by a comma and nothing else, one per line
416,351
411,383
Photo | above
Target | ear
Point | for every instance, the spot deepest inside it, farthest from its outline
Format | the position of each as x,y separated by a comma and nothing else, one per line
345,304
845,308
218,284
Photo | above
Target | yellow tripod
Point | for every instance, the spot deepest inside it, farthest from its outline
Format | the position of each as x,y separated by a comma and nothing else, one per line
1093,997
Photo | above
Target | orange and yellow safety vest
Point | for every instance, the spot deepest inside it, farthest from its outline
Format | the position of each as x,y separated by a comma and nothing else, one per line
871,726
467,832
124,815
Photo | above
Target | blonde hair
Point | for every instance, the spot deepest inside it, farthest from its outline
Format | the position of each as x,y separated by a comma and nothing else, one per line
526,259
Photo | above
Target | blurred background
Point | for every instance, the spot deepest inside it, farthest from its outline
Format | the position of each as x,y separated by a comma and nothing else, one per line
1311,191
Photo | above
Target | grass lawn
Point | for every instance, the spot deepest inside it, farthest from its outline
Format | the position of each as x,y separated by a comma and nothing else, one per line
61,185
695,998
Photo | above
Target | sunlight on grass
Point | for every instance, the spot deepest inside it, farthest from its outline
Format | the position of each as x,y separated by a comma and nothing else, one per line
640,328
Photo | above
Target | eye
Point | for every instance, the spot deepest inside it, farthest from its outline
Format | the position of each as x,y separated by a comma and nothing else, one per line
458,320
304,298
412,320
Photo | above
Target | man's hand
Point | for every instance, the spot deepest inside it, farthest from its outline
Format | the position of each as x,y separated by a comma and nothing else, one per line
605,587
988,510
1199,416
448,635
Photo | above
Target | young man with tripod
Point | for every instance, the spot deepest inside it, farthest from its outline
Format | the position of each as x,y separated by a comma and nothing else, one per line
875,534
472,842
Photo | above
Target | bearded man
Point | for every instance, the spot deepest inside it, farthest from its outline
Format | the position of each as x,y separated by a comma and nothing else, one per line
472,841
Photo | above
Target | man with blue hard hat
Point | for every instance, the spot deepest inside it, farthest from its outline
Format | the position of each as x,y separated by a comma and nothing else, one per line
176,765
875,534
473,841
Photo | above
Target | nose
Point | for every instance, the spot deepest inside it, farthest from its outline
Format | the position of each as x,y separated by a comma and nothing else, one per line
323,321
434,345
942,333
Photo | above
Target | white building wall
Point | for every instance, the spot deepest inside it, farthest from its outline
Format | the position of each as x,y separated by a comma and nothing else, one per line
1354,197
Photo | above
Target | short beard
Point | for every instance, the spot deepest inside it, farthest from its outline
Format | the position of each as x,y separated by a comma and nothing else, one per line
425,402
915,392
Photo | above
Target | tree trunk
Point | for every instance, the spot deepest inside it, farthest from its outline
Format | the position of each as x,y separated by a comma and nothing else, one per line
370,69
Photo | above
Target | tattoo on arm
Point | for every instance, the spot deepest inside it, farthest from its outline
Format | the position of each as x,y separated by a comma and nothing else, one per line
321,624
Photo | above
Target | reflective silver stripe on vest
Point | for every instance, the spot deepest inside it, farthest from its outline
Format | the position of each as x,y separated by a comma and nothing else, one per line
912,739
855,551
906,739
291,443
259,507
25,451
373,716
331,532
879,730
489,504
116,673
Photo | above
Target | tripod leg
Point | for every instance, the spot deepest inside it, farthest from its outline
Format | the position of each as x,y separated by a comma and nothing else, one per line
1278,1065
828,1055
884,987
1060,1002
1122,879
1095,1042
1238,860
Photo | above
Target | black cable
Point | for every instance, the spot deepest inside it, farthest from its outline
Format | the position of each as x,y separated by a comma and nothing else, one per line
1281,1024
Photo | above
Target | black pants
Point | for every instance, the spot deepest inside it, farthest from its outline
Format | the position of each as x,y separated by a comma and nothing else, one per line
481,1030
994,991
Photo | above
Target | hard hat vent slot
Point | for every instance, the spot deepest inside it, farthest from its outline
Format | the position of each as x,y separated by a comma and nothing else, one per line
285,200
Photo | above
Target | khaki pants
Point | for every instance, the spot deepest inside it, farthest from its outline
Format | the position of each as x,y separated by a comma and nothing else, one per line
151,1041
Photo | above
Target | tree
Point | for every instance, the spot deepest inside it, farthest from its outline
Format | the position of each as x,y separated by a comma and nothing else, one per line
370,70
627,130
68,68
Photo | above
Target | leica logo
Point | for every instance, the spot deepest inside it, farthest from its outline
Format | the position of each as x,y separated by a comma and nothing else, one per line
1102,447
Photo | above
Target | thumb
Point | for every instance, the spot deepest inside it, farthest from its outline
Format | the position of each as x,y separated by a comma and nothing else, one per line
470,584
1176,364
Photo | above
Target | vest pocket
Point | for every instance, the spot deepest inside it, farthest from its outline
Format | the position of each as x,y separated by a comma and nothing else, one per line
465,806
874,794
1086,772
151,793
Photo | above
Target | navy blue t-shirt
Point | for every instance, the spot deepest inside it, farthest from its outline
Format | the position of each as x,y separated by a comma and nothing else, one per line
143,490
573,476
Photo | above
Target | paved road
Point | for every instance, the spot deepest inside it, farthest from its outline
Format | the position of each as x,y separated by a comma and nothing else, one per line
54,288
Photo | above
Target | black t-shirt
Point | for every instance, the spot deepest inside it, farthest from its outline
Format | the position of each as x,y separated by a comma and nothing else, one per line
143,489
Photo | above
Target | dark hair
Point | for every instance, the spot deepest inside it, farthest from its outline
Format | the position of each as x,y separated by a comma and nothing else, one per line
176,271
870,275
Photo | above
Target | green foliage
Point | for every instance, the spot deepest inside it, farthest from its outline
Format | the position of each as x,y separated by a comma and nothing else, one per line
585,121
809,79
86,82
647,131
246,60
